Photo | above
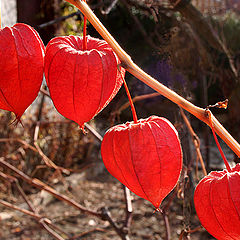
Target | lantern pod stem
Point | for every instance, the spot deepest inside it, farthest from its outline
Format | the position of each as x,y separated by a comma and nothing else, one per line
209,113
84,32
134,114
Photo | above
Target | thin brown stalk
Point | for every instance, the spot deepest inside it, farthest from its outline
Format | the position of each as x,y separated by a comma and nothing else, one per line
47,161
31,207
107,216
196,141
24,143
167,225
153,83
38,217
40,185
50,230
128,208
103,215
25,211
195,229
136,99
38,150
84,234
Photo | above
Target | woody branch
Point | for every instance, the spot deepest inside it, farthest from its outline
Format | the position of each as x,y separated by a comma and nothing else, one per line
131,67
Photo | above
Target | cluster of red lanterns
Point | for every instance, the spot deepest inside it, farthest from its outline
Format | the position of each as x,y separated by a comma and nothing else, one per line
145,155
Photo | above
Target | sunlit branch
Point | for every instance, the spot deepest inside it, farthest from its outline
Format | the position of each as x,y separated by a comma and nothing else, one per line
151,82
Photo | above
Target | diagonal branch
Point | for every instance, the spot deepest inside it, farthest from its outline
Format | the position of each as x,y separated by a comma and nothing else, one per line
104,214
38,217
41,185
153,83
196,141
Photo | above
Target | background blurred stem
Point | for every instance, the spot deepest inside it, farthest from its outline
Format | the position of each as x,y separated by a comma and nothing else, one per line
153,83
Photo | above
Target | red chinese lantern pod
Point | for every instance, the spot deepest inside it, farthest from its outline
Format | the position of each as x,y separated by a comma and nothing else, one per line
21,67
81,83
217,203
145,156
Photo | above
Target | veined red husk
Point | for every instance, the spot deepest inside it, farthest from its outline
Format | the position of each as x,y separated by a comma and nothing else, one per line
145,156
81,83
21,67
217,203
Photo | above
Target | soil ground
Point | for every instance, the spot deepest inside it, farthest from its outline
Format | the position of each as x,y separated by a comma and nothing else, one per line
93,193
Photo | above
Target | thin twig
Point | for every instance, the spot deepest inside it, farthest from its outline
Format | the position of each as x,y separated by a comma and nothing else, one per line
79,236
34,215
128,208
136,99
90,128
36,149
107,217
47,161
94,132
195,139
50,230
25,211
60,19
24,143
167,225
195,229
40,185
110,7
103,215
185,233
31,207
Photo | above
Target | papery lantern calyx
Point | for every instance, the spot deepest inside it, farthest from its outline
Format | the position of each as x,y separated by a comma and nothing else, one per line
21,67
145,156
217,203
81,82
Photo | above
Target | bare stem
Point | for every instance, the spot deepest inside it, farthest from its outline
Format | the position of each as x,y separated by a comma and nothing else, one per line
103,215
196,141
129,208
134,114
153,83
107,216
40,185
39,218
217,142
167,226
136,99
84,32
